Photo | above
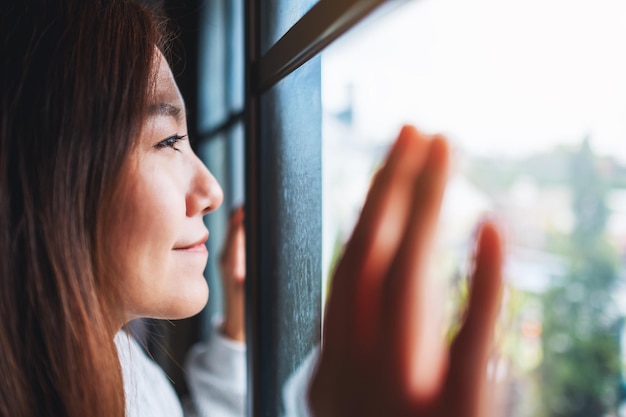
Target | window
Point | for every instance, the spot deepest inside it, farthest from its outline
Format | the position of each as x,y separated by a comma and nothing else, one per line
532,97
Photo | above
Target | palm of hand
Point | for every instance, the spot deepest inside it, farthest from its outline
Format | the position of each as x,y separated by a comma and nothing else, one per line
383,354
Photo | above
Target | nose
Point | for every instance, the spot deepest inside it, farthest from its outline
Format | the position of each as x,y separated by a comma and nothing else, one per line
205,193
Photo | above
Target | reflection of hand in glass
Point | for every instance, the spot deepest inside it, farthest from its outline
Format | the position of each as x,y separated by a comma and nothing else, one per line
383,352
233,271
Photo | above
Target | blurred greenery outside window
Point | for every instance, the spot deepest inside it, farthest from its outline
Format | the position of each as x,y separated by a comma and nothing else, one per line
532,96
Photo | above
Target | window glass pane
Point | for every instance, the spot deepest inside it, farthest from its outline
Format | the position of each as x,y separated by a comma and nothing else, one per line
220,101
286,278
532,96
220,61
223,154
277,16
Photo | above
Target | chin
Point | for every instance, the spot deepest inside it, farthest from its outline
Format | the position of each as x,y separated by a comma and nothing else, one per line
184,301
188,303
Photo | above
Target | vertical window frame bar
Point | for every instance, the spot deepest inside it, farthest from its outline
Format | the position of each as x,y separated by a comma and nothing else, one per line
253,315
323,23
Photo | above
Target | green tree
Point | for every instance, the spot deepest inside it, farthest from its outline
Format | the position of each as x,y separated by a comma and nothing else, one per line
581,368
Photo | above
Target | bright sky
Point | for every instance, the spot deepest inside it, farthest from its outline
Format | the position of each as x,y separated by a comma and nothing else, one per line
499,76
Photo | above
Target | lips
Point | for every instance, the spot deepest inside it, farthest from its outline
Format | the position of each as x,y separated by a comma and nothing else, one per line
194,246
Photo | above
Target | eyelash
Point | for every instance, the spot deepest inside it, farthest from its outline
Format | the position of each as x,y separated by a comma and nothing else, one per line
170,142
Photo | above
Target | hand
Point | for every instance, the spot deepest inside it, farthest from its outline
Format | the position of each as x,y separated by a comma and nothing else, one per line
384,353
233,270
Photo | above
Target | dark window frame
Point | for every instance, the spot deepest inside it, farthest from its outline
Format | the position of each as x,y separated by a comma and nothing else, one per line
326,21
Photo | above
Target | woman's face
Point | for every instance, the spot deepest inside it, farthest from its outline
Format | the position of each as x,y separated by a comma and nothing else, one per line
158,237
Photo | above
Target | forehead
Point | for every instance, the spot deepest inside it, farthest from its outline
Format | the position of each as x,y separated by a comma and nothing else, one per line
165,89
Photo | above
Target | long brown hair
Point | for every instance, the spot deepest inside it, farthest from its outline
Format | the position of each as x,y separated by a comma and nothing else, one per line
75,80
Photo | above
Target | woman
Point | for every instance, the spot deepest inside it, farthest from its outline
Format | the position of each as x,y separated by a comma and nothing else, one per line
77,80
101,206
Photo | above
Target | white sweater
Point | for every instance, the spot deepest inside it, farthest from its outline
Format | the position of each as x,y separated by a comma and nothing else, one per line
216,375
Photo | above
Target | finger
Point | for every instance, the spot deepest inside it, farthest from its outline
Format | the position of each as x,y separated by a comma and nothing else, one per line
412,312
235,224
237,215
356,285
472,346
239,254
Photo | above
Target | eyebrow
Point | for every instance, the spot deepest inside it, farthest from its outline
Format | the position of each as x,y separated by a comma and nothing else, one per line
165,109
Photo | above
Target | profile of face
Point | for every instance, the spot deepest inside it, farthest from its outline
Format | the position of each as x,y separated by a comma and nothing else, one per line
158,236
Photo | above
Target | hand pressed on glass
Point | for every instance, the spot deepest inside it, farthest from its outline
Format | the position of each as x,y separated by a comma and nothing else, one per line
383,353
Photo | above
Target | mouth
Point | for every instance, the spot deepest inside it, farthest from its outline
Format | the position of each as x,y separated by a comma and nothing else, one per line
194,246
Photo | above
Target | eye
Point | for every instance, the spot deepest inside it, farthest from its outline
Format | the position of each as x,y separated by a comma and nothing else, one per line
170,142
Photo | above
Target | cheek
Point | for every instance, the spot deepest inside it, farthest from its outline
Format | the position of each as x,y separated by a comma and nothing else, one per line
150,216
